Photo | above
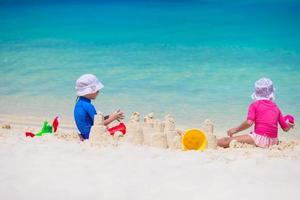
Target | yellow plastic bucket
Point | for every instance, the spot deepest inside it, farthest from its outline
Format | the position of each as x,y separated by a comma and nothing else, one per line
194,139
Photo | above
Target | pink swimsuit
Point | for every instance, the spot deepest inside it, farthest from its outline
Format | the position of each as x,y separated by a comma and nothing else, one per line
266,116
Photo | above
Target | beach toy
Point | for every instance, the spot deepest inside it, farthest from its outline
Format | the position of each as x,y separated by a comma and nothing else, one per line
121,127
29,134
45,129
289,119
194,139
55,124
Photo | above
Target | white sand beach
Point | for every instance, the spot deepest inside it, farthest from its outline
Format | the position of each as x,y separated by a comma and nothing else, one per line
197,65
62,167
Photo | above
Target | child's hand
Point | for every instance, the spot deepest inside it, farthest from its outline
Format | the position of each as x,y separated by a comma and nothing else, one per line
291,125
231,132
118,115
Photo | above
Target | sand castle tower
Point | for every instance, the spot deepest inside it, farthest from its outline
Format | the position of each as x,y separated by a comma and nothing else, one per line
135,130
148,127
173,138
99,135
177,140
159,138
149,120
209,131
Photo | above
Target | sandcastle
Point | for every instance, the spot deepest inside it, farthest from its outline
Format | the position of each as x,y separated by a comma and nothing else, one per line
209,133
154,132
163,134
148,128
173,136
158,137
99,136
135,130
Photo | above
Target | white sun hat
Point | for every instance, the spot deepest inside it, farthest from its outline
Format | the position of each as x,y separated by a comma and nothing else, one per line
264,90
87,84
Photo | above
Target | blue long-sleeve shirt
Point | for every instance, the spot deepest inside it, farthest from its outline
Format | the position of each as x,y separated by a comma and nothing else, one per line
84,113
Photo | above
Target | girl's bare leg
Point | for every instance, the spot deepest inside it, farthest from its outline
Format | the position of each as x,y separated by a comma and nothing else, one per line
225,141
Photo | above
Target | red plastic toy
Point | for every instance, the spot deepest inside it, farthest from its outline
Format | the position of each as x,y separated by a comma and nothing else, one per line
121,127
55,124
29,134
289,119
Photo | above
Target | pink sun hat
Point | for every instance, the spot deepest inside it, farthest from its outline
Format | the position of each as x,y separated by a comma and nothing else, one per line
264,90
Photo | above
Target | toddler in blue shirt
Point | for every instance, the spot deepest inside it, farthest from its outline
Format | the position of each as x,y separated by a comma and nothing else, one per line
87,88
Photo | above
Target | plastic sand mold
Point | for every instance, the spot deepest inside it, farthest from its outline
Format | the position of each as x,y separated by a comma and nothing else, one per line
194,139
121,127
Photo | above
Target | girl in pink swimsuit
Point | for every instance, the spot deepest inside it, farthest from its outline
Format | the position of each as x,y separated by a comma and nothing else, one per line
264,114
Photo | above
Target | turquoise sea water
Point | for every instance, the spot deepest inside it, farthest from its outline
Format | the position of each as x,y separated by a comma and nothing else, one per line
192,59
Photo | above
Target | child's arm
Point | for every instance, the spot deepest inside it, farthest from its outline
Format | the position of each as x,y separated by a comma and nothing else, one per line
246,124
115,116
285,126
